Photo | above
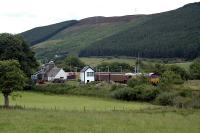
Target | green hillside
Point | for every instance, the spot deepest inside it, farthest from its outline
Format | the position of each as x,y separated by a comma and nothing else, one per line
77,37
166,35
41,34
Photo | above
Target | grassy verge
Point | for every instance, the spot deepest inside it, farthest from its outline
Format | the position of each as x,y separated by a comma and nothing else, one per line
40,121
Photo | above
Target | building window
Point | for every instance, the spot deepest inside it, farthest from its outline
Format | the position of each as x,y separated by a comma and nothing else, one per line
90,74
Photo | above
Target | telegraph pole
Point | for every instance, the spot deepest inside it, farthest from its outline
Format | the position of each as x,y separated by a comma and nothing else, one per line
138,63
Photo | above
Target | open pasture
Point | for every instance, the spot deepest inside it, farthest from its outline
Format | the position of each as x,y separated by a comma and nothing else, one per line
74,103
99,116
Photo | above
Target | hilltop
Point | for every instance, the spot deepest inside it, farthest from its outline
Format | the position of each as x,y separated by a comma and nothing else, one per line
164,35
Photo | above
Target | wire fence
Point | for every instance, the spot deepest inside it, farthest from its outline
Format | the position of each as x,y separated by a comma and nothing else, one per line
81,108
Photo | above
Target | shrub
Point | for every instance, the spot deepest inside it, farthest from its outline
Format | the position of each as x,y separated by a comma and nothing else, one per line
195,69
141,93
146,92
180,71
185,93
182,102
170,77
165,98
137,81
54,88
127,94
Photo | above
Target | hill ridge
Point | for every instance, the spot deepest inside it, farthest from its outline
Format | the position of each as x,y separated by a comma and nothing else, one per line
163,35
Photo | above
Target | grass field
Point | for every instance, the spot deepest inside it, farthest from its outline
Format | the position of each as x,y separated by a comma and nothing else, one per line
69,103
99,116
185,65
44,121
96,61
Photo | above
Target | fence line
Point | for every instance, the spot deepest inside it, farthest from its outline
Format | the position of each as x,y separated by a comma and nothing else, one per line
81,109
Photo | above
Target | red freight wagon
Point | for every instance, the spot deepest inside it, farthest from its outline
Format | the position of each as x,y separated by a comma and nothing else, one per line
110,76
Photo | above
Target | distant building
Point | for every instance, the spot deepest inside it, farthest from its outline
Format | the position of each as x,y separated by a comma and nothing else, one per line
49,72
87,74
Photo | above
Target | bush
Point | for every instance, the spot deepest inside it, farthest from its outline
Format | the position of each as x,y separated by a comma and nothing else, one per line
180,71
137,81
127,94
185,93
182,102
170,77
146,92
140,93
195,69
165,98
54,88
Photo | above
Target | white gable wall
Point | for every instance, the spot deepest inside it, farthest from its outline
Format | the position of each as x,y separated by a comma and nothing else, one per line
61,74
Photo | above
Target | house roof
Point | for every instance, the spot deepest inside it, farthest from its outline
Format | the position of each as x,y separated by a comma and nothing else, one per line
53,72
86,68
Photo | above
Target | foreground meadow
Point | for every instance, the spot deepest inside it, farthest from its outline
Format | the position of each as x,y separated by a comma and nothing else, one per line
46,121
74,103
99,116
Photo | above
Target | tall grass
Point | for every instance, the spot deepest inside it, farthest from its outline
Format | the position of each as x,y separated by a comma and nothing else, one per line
44,121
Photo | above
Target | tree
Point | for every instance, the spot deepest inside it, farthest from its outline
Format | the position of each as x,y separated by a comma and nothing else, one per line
114,67
11,78
170,77
195,69
159,68
73,63
178,70
14,47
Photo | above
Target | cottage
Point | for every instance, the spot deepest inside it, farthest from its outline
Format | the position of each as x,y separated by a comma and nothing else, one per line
87,75
49,72
56,73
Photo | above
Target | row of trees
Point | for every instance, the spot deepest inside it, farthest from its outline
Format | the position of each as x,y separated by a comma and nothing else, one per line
192,73
73,63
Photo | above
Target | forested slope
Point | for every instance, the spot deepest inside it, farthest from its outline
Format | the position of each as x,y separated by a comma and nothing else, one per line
87,31
170,34
40,34
166,35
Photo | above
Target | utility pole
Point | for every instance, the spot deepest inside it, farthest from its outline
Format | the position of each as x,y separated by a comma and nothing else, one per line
120,68
76,71
70,67
99,75
138,64
108,69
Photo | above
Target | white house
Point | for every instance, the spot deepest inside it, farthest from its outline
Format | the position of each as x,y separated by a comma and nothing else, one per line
56,73
87,75
49,72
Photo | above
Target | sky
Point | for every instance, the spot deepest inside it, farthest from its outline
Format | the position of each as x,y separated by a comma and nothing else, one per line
17,16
